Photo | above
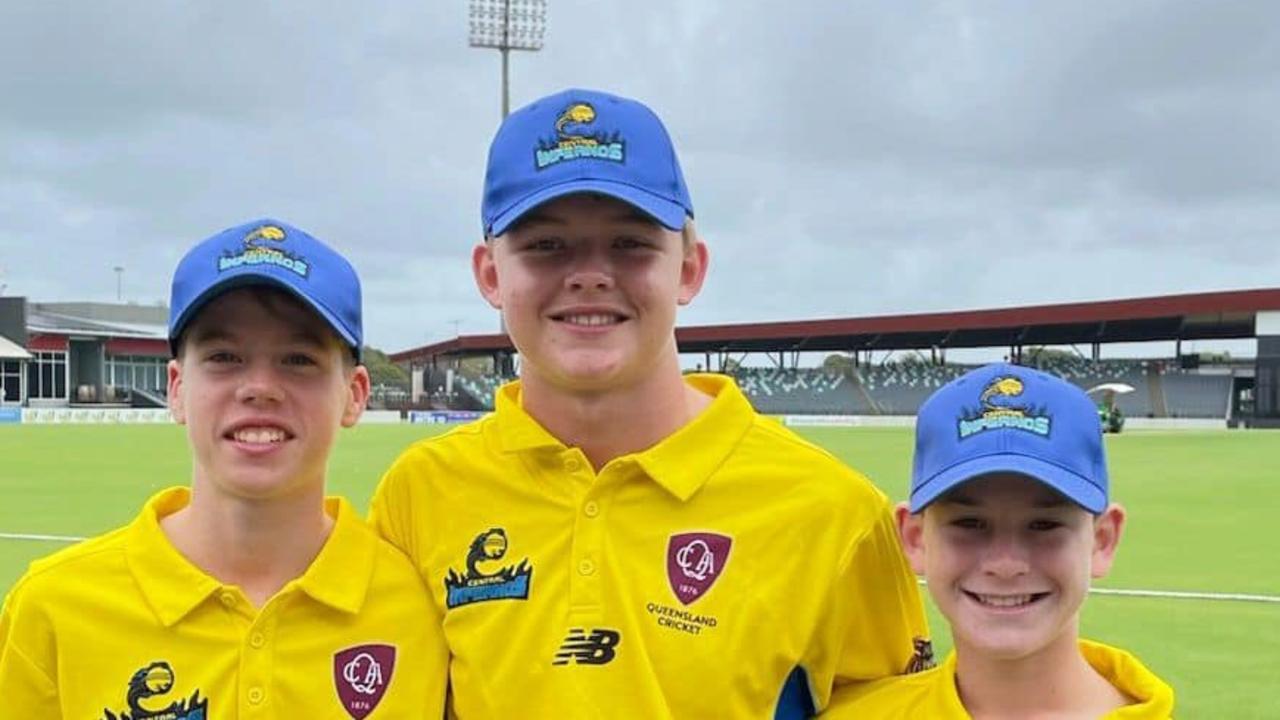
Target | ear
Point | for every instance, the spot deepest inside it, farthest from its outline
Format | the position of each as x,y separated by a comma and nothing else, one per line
177,406
485,269
693,270
911,533
1107,529
357,395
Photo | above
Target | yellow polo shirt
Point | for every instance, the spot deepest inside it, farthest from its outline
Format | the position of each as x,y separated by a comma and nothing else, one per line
733,570
932,694
123,627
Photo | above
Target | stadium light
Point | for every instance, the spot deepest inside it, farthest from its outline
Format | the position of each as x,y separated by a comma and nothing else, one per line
507,25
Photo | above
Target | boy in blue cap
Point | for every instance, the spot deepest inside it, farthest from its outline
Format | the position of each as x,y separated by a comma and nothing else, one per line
620,540
248,594
1009,518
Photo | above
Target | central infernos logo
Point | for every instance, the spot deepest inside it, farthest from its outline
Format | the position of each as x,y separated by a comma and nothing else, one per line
572,141
258,250
477,584
999,409
153,681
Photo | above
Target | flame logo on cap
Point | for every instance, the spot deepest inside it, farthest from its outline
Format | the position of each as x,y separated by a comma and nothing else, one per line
273,233
992,416
572,141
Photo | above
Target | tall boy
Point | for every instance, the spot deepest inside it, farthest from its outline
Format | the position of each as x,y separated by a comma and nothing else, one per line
1008,520
618,540
249,594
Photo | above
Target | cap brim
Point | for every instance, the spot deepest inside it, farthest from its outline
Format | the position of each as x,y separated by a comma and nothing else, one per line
254,277
670,215
1072,486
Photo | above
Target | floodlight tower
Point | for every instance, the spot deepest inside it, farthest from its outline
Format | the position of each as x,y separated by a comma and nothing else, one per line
507,25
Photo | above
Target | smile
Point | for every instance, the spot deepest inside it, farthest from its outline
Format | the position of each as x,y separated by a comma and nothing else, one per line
1006,602
259,435
590,319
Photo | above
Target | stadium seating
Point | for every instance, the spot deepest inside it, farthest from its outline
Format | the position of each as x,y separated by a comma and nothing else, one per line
800,391
900,388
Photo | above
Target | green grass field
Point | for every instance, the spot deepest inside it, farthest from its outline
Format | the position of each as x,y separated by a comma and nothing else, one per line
1201,506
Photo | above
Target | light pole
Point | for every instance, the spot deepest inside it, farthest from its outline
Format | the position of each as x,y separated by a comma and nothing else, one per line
119,272
507,25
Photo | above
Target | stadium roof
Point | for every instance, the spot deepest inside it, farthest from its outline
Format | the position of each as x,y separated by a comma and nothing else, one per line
43,321
1198,316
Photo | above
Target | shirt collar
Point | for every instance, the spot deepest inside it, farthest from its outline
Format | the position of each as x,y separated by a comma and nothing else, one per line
517,430
341,573
684,461
173,586
681,463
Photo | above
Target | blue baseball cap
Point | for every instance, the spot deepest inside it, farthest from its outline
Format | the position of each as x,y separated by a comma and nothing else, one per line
1012,419
268,252
583,141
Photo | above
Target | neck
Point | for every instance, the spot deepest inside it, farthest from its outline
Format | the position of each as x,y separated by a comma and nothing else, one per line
257,545
616,421
1053,682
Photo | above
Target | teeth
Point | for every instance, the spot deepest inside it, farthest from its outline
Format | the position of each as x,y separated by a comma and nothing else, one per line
1003,601
259,436
591,320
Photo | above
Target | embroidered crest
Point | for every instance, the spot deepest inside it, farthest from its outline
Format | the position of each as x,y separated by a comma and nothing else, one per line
258,250
999,410
694,561
476,584
572,141
152,682
361,675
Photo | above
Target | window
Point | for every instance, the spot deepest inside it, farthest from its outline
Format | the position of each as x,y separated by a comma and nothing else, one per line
47,376
137,371
10,381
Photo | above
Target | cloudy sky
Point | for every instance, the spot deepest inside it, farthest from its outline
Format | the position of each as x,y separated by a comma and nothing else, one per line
844,158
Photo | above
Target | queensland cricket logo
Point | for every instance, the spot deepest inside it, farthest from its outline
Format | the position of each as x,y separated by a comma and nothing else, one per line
999,409
477,584
694,561
361,675
258,249
153,681
574,140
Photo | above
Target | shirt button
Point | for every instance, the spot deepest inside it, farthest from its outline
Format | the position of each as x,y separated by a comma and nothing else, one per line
227,598
591,509
256,695
586,567
572,465
257,640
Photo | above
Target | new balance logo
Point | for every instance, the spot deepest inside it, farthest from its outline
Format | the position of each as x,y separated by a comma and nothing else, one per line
596,648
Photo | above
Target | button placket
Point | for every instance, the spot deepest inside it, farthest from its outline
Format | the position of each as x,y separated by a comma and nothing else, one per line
587,565
256,659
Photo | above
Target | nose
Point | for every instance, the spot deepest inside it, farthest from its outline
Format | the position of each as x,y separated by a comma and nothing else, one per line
590,270
259,384
1006,556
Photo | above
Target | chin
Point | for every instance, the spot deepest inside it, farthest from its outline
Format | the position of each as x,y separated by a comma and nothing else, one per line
588,368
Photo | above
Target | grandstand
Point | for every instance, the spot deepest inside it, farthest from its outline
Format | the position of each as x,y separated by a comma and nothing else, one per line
1240,392
1161,390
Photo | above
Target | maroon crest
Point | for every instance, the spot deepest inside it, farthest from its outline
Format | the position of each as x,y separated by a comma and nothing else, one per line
694,561
361,675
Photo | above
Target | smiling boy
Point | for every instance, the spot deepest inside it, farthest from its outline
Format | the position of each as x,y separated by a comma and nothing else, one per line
249,594
619,540
1009,519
